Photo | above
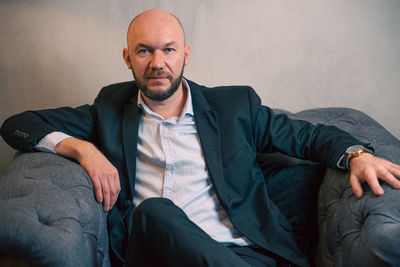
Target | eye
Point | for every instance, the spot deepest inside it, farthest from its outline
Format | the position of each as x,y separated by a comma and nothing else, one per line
142,51
169,50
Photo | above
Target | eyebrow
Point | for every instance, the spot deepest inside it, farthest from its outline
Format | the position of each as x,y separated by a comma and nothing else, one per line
170,43
141,45
149,47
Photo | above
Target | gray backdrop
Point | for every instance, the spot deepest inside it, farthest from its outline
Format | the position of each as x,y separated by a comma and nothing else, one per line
296,54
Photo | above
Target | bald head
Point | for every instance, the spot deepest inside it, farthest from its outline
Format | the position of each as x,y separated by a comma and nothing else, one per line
154,18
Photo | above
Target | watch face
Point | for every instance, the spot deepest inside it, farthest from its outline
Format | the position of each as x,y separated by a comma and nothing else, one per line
354,149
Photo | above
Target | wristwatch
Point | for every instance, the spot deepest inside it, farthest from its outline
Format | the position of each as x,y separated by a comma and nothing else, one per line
353,152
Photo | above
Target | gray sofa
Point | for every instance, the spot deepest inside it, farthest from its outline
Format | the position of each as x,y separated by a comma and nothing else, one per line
49,216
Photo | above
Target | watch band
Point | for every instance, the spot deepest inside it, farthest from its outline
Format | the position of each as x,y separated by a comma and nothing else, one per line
357,153
353,152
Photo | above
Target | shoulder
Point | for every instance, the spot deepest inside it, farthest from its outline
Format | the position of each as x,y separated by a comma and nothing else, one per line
232,94
224,92
217,90
119,89
117,93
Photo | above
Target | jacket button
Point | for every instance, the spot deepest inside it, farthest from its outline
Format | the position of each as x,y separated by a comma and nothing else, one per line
127,203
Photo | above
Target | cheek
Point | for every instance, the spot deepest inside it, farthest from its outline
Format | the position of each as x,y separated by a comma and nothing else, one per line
177,65
139,67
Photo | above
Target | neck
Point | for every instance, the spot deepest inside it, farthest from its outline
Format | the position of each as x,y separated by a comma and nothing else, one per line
170,107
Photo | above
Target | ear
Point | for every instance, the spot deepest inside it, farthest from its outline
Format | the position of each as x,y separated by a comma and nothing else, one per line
125,55
187,54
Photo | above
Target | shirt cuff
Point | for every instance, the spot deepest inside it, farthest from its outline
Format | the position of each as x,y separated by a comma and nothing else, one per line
50,141
339,164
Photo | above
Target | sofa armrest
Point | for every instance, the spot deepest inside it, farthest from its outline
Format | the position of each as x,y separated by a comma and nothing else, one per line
357,232
49,216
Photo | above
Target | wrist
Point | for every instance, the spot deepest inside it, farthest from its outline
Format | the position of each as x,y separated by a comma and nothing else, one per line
355,152
73,148
361,157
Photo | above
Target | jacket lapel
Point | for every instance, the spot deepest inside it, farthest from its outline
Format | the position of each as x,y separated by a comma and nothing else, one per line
207,126
130,127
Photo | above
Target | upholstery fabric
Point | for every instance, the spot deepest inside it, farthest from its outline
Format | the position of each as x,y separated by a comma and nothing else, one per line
49,216
351,232
357,232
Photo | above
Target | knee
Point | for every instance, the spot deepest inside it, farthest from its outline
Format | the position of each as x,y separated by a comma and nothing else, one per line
153,212
152,208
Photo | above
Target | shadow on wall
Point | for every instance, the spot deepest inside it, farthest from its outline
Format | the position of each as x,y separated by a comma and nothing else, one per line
54,55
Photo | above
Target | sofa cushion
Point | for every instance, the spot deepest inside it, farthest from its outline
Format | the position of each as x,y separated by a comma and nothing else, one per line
294,190
352,232
359,232
49,215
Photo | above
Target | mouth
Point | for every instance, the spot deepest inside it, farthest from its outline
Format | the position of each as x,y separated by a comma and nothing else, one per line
157,78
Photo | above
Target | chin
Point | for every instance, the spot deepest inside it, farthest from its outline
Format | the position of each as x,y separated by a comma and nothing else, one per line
159,89
158,86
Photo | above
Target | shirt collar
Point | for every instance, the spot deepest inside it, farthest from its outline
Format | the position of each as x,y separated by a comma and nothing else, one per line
187,109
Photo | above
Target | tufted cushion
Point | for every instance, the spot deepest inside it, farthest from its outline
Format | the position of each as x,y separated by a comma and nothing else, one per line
353,232
361,232
357,232
294,190
49,215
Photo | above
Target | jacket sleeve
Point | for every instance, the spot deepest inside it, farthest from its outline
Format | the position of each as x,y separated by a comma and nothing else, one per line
297,138
23,131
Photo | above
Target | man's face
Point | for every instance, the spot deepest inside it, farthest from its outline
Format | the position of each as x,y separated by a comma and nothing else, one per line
157,54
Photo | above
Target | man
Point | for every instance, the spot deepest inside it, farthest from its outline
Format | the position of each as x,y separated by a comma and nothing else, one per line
178,159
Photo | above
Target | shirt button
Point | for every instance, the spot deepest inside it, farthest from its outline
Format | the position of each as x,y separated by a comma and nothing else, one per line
127,203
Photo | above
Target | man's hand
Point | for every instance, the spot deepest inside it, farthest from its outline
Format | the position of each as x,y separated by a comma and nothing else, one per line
368,168
102,173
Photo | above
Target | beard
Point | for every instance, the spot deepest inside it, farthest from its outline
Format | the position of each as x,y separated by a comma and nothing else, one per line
156,95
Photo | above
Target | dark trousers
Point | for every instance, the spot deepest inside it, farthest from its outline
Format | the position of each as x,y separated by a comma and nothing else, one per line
162,235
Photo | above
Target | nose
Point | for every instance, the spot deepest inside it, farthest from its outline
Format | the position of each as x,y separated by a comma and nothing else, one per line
157,60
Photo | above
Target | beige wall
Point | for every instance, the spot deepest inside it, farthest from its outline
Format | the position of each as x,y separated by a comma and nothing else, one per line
296,54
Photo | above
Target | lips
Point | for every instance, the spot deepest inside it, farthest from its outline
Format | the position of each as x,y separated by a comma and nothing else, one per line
158,77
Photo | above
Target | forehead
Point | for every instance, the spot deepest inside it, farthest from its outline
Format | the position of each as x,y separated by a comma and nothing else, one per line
155,30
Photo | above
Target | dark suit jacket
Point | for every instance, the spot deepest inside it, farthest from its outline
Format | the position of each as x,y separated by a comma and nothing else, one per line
233,127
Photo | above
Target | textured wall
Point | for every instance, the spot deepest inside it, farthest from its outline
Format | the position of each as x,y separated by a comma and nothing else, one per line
296,54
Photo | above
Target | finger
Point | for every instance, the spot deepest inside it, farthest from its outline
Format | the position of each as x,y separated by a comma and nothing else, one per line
390,179
117,183
395,170
106,193
374,185
356,186
117,187
113,190
97,189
